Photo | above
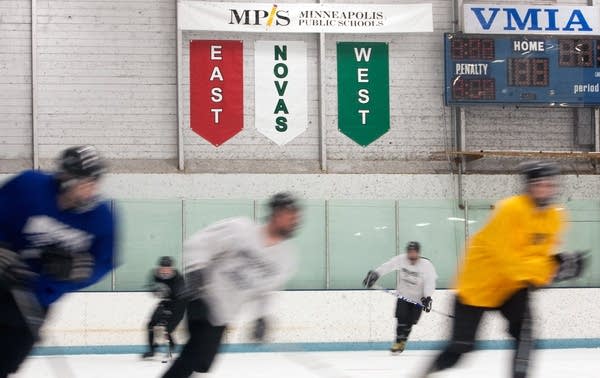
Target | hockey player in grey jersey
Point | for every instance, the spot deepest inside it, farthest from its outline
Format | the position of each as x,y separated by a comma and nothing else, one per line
230,264
415,281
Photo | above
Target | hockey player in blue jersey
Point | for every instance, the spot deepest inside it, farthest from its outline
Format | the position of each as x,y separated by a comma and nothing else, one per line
56,236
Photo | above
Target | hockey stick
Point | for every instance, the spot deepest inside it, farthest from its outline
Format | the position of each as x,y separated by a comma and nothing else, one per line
524,347
31,310
401,297
165,342
34,316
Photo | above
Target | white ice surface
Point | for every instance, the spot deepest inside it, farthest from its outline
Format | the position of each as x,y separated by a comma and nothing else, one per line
563,363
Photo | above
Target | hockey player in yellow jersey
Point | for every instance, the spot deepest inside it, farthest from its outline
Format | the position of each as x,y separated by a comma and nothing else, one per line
513,252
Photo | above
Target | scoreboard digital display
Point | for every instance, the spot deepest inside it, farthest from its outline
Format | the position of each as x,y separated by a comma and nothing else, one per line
521,70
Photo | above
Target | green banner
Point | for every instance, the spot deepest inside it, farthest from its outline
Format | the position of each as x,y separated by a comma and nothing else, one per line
363,90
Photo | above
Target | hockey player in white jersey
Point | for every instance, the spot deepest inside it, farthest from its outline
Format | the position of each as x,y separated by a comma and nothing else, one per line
415,281
228,265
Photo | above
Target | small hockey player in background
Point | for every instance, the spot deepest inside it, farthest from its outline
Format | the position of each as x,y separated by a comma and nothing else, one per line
230,264
513,253
415,281
167,284
56,237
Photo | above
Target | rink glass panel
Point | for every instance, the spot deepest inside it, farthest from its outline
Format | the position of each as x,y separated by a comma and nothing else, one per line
150,229
583,233
106,283
198,214
309,243
362,236
338,239
439,225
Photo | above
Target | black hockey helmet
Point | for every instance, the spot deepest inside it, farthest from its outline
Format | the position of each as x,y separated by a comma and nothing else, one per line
81,162
535,170
414,245
283,200
165,261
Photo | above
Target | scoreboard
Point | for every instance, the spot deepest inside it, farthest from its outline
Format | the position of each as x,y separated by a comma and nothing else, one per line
521,70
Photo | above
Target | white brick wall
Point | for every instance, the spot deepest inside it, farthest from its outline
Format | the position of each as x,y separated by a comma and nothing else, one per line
418,120
416,102
15,80
107,76
520,128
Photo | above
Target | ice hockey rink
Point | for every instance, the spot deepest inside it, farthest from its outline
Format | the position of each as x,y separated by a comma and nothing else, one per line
548,363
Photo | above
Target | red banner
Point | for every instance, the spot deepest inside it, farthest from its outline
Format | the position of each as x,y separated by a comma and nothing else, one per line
216,89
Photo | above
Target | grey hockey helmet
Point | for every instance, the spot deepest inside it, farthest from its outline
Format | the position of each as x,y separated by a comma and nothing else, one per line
414,245
165,261
535,170
81,162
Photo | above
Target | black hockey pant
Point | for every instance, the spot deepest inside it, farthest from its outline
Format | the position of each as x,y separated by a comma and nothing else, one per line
407,314
167,314
515,310
16,341
202,346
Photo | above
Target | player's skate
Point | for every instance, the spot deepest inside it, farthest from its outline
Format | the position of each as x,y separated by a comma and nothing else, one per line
149,354
398,347
168,354
165,341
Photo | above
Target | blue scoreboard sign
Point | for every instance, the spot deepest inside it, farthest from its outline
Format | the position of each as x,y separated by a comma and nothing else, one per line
522,70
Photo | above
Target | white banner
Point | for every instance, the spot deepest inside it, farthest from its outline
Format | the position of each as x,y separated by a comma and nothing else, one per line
304,18
531,19
281,89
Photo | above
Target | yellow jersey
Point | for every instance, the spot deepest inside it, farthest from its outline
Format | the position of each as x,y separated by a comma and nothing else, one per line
513,250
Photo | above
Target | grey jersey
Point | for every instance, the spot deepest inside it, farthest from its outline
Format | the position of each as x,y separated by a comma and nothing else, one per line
238,268
413,281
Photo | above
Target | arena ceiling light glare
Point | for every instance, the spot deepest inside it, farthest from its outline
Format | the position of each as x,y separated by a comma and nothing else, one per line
455,219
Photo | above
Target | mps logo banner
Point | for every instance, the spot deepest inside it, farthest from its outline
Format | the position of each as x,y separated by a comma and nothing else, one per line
304,18
531,19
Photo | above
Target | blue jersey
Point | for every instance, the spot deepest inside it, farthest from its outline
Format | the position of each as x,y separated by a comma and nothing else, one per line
30,220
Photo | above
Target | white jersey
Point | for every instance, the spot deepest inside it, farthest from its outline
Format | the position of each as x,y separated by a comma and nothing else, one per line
238,268
413,281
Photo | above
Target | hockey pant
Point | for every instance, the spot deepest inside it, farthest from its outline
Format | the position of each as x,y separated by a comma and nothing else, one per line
202,346
167,314
467,318
16,340
407,314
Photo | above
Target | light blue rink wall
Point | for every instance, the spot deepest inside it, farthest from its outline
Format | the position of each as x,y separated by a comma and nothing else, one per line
315,321
351,223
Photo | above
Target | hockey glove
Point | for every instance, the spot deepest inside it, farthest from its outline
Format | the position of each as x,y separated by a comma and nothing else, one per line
13,271
370,279
260,330
63,265
571,265
426,302
161,290
83,267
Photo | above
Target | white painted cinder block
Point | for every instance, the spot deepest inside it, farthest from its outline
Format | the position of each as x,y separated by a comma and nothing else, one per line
15,79
329,186
107,76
